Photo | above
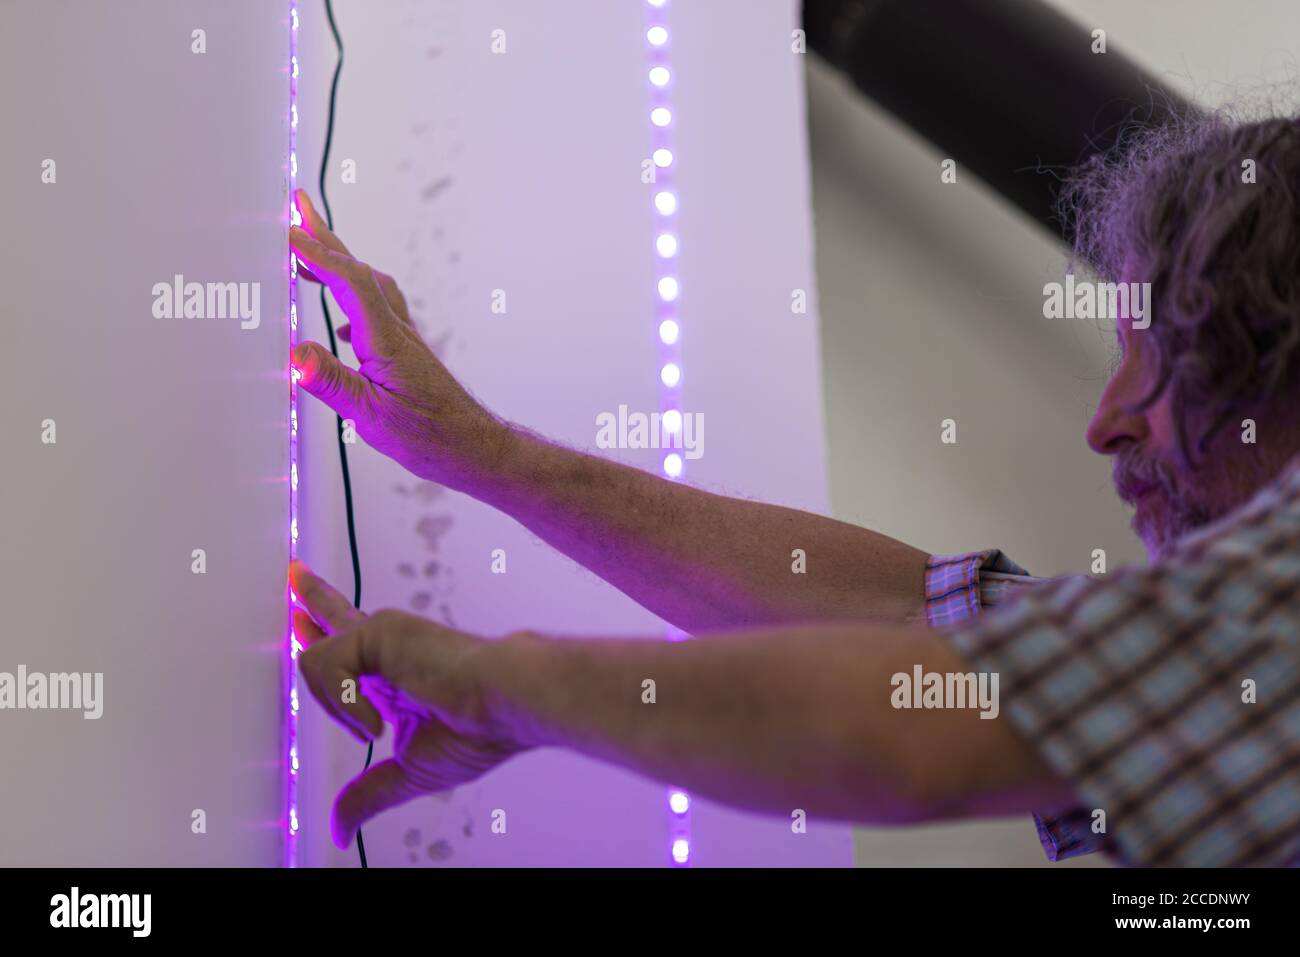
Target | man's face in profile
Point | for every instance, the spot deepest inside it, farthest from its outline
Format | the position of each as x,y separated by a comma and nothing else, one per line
1170,499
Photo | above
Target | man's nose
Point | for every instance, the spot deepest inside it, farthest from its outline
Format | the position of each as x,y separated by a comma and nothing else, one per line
1114,425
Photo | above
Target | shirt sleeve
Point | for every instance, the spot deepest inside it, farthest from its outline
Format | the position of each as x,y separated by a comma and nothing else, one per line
1169,696
959,587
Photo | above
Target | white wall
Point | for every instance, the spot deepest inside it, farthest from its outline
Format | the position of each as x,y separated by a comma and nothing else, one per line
170,434
931,308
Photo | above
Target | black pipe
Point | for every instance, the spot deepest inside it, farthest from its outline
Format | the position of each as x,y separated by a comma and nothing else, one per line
1010,89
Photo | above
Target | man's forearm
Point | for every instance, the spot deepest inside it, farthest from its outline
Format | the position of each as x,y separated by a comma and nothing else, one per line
696,559
770,721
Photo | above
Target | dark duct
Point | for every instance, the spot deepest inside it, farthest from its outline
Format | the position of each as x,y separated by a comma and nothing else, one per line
1010,89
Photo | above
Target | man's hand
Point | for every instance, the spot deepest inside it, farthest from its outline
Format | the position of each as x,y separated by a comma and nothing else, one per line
419,677
403,400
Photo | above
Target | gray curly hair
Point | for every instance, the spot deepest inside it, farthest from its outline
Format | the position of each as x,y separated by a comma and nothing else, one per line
1222,256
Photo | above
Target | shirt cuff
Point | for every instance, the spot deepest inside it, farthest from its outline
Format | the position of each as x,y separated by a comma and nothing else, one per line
957,589
953,584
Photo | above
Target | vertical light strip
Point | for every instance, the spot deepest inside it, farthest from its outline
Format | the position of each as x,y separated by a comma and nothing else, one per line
291,822
658,39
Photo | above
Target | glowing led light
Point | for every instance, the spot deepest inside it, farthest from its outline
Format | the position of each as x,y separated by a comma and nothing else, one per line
295,646
667,312
295,373
681,850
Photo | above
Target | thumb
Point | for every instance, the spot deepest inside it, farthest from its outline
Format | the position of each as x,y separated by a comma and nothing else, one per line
383,786
328,379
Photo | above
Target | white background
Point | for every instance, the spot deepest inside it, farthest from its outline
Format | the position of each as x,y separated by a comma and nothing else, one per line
171,434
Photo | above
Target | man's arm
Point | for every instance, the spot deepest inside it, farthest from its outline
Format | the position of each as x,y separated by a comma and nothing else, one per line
698,560
774,720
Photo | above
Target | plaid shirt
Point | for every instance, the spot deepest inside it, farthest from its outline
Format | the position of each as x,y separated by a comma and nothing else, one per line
1168,696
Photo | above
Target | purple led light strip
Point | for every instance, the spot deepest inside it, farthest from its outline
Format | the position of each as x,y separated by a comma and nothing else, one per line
667,295
291,822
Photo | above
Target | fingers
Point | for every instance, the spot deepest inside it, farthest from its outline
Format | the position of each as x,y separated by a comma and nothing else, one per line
383,786
315,224
319,230
326,604
332,670
317,227
305,629
329,380
305,273
357,291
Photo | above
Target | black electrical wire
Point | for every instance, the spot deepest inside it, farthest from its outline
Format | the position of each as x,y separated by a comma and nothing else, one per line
334,348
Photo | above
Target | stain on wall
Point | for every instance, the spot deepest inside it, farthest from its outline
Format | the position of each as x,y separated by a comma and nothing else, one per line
449,824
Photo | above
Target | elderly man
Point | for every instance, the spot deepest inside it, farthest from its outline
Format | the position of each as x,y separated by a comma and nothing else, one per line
1152,712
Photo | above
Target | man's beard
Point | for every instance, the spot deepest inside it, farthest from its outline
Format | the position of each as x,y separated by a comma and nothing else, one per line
1146,482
